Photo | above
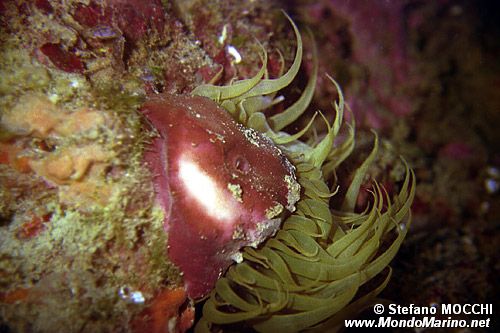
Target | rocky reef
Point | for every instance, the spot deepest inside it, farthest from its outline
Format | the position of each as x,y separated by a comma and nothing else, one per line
145,144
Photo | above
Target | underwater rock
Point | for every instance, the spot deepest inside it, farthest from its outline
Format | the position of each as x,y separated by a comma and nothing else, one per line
221,186
371,57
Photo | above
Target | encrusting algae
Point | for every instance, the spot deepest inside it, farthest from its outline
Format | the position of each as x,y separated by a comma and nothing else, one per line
71,237
93,254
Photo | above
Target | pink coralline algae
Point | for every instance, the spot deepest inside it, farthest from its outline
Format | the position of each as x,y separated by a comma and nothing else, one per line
134,18
372,38
221,186
62,59
382,50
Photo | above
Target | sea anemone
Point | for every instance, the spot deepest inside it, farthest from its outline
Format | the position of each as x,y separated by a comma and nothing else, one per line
308,276
221,186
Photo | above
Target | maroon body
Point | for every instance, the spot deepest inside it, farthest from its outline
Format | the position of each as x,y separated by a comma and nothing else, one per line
221,186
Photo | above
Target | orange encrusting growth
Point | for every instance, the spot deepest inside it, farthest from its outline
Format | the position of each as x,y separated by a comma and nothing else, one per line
164,314
9,155
37,116
76,164
14,296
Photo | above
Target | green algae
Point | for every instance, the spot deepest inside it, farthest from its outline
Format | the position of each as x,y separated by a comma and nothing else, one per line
74,268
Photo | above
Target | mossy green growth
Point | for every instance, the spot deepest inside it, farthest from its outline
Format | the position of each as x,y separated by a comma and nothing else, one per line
75,267
18,74
309,275
94,251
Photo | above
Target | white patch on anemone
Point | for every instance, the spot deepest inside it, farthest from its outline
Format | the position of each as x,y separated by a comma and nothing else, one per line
205,191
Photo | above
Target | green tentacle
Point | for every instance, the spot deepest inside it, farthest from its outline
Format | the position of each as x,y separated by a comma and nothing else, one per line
308,275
